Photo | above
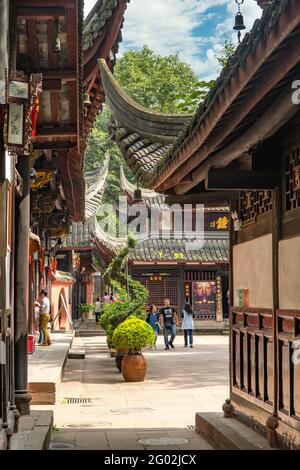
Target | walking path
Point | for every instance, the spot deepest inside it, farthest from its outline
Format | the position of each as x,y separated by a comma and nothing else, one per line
96,409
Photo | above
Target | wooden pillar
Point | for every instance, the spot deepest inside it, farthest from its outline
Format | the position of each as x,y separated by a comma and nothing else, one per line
181,300
233,207
22,289
277,207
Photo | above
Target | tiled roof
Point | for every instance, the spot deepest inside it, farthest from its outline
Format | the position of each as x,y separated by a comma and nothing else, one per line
152,198
147,154
213,249
97,19
81,233
95,182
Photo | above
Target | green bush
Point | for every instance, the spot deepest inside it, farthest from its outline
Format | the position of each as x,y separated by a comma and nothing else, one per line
132,295
133,334
86,308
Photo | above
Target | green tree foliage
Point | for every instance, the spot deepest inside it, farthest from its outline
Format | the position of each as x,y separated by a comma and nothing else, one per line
132,295
226,52
189,103
154,81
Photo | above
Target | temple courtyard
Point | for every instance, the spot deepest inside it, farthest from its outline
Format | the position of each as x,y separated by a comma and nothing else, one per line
96,409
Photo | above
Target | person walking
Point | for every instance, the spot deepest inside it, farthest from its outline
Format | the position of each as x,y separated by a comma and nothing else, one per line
106,299
45,317
168,321
188,324
97,310
153,320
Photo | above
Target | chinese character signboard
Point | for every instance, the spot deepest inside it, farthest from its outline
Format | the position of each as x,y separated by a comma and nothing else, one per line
216,221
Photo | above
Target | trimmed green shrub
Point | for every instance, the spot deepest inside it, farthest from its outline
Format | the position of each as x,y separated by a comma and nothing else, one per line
133,334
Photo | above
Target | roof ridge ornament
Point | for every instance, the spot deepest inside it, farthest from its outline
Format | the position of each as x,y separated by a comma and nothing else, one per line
263,3
239,20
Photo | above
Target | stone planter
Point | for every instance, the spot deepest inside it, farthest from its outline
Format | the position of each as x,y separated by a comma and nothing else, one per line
134,368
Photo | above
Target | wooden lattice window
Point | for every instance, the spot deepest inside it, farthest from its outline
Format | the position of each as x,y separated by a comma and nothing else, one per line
292,180
254,203
199,275
159,290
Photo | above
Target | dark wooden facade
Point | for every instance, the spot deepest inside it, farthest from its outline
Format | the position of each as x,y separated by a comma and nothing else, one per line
42,188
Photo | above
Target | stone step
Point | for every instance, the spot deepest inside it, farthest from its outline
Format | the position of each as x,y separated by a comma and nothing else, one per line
34,431
76,354
46,367
89,333
228,433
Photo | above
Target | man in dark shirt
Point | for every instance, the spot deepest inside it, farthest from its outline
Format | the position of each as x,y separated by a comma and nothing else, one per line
168,321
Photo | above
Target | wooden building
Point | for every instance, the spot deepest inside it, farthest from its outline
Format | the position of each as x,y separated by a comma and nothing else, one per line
50,94
242,145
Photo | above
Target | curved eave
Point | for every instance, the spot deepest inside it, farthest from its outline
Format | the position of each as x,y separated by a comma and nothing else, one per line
147,194
96,185
157,127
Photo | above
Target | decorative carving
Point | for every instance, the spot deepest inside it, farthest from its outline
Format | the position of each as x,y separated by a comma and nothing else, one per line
253,204
292,180
272,424
42,178
43,202
27,101
228,409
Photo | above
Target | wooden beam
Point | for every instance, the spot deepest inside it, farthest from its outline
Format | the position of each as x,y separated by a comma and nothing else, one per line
46,3
40,13
55,107
241,180
51,35
64,75
267,125
52,85
53,145
32,45
57,132
220,198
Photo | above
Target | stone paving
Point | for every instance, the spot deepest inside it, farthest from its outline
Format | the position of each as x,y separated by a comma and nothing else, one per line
116,415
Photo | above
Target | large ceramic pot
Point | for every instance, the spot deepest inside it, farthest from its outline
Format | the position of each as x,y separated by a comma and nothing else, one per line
134,368
119,358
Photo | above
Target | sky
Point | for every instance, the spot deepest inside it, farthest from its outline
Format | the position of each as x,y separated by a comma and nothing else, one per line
193,28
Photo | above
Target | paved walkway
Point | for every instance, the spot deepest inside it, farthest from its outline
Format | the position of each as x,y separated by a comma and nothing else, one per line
113,414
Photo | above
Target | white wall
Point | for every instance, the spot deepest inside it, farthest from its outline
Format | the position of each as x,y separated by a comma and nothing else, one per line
252,269
289,274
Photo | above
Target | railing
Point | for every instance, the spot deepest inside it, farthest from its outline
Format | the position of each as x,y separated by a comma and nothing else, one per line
253,366
252,372
288,363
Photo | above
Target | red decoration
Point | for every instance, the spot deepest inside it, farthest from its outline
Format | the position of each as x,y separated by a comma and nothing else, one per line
34,113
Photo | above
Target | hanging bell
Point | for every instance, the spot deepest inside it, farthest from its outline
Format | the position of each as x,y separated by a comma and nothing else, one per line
57,46
86,99
239,22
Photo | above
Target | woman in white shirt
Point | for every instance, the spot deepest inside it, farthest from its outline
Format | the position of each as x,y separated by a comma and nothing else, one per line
188,324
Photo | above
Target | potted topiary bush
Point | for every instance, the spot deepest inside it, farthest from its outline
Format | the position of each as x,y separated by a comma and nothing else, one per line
86,311
131,300
133,334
